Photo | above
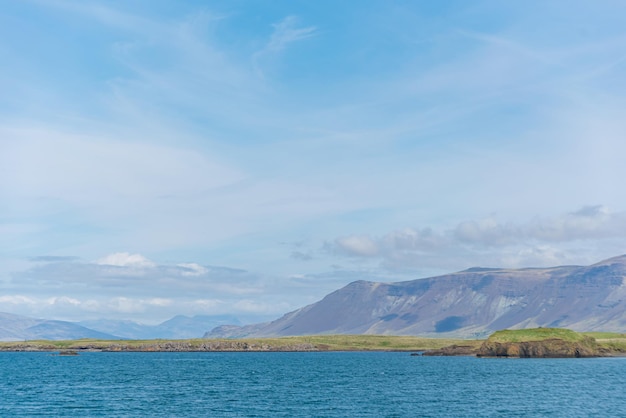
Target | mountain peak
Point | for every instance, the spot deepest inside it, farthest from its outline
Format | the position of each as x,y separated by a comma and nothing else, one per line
620,259
470,303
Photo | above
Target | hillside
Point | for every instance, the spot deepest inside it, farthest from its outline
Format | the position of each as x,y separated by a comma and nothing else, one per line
178,327
20,328
17,328
471,304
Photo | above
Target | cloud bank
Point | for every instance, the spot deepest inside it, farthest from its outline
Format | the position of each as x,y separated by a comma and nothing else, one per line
539,242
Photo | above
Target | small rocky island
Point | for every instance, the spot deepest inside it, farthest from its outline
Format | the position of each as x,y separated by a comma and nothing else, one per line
534,343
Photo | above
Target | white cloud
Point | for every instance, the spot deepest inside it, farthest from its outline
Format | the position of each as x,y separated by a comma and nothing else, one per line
204,304
359,246
542,255
126,260
586,235
589,222
78,307
488,232
63,300
17,300
132,306
410,239
193,269
130,286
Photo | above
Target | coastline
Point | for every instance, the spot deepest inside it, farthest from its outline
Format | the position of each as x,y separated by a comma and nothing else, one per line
527,343
316,343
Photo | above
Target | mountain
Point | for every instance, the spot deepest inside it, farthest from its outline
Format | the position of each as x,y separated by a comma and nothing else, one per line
470,303
193,327
17,328
122,328
178,327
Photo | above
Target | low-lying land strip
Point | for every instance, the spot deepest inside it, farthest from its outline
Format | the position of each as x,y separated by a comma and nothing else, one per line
537,342
303,343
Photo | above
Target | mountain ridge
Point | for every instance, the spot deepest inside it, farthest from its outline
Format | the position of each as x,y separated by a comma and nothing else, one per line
19,328
471,303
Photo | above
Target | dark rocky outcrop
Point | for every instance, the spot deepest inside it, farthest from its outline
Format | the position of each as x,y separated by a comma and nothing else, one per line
165,346
531,343
452,350
550,348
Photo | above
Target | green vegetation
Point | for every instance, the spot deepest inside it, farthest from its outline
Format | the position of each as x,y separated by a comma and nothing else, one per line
553,342
535,334
372,342
301,343
611,341
603,342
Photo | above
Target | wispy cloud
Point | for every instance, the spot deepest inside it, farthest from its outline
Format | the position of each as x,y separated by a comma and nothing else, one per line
285,33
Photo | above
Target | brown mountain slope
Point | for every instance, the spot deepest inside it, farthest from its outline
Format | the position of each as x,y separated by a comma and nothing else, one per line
470,303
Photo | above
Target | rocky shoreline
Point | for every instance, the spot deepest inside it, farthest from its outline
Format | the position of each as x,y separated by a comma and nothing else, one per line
526,343
516,344
165,346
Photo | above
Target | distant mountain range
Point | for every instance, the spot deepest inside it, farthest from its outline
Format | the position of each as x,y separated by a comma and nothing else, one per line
18,328
178,327
470,303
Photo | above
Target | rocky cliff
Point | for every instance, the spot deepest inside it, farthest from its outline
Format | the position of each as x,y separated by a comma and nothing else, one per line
552,348
533,343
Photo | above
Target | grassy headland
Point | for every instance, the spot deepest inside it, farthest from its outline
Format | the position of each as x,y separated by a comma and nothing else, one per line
552,342
535,334
611,341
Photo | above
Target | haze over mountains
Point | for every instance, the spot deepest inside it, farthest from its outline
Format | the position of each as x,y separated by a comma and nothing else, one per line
17,328
470,303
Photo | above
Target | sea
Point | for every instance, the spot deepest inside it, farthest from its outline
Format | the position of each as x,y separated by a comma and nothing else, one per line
309,384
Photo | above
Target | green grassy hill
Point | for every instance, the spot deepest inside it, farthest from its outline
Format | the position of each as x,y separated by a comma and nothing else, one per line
535,334
548,342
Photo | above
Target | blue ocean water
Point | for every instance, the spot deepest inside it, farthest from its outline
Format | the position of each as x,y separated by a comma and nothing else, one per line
307,384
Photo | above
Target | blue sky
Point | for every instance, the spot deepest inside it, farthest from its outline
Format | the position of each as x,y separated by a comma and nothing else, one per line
210,157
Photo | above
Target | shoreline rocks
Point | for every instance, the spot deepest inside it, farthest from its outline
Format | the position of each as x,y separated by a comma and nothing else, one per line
533,343
549,348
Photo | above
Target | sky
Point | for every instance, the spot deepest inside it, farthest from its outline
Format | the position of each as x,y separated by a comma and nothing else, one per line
247,158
